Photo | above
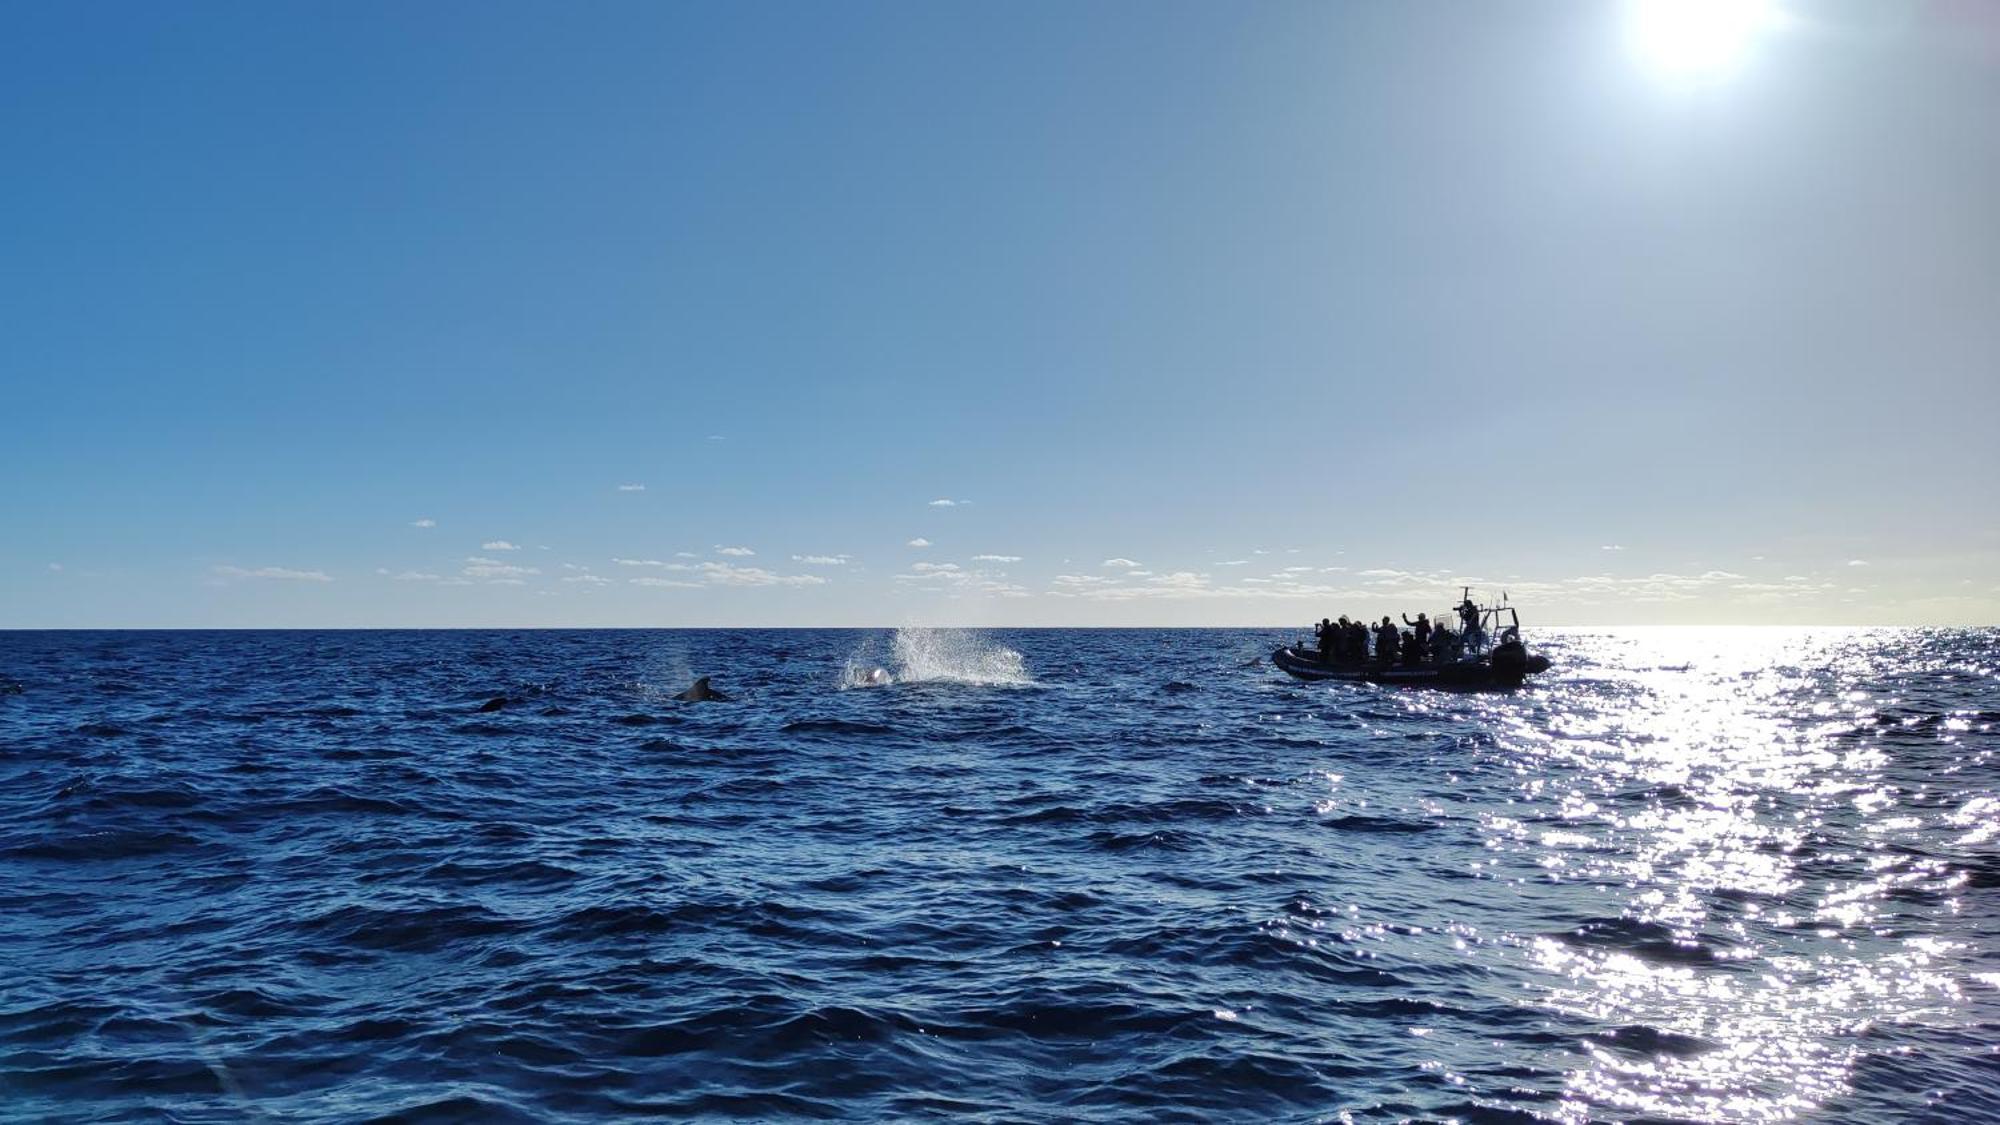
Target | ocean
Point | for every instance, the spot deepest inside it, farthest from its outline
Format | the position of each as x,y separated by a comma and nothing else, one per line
1037,875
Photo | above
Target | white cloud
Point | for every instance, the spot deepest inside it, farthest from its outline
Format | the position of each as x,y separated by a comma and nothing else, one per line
653,562
919,541
821,560
1081,581
949,503
1187,584
493,570
416,576
1235,562
588,579
686,555
55,568
735,552
717,437
1128,564
276,572
725,574
672,582
1857,562
498,545
425,522
959,581
997,558
1612,547
631,488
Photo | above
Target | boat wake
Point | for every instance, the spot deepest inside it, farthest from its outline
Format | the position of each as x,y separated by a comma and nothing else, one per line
938,656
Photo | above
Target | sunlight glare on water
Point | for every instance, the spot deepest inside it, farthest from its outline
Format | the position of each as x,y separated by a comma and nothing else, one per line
1738,827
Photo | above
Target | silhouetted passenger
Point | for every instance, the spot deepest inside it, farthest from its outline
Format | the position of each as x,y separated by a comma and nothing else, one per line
1445,644
1421,627
1469,633
1324,634
1413,651
1388,643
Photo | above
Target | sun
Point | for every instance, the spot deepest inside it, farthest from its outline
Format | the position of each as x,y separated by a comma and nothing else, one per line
1695,38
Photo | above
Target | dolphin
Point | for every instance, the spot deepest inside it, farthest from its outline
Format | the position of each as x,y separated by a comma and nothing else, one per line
702,693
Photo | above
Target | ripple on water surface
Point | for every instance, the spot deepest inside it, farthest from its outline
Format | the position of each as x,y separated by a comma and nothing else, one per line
1689,876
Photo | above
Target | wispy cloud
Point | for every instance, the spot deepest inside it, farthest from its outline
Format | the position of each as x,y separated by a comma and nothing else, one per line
821,560
997,558
588,579
717,437
55,568
425,522
664,582
499,545
417,576
493,570
958,581
1128,564
735,552
280,573
949,503
727,574
1081,581
919,541
1612,547
631,488
1857,562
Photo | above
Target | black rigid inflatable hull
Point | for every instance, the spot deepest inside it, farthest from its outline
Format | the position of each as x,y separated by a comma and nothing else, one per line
1464,675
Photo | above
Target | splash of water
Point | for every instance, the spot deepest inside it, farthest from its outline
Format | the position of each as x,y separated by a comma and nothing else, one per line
952,656
864,673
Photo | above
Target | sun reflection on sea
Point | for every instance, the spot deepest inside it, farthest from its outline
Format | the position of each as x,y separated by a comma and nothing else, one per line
1739,864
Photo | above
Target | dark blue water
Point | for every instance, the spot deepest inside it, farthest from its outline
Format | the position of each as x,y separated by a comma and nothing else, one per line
1044,876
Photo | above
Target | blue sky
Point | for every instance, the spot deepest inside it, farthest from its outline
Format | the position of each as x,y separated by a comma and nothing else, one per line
1297,308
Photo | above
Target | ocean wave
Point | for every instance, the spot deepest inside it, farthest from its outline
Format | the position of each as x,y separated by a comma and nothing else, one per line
299,875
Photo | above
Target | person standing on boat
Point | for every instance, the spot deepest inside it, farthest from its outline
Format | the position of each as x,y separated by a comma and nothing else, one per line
1323,633
1388,642
1357,641
1468,624
1422,628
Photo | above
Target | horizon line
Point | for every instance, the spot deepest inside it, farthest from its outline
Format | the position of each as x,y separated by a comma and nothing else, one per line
873,628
